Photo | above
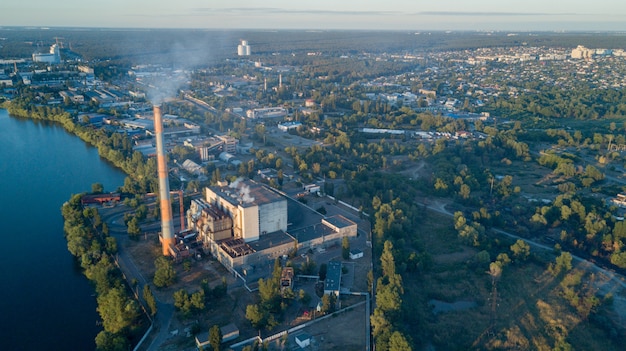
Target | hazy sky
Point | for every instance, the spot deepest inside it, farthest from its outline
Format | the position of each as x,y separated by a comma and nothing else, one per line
320,14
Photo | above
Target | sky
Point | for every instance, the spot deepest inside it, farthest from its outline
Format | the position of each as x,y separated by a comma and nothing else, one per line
417,15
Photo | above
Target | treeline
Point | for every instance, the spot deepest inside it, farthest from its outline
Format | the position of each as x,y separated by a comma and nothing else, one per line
586,102
154,45
88,241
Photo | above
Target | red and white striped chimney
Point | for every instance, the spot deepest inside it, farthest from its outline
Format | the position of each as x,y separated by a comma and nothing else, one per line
167,223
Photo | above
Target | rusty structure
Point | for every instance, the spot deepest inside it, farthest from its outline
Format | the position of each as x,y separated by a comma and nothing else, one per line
167,223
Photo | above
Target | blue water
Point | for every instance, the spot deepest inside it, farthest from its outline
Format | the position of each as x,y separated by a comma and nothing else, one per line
45,301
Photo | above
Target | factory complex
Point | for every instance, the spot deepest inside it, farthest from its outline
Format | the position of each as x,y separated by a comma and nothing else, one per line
246,224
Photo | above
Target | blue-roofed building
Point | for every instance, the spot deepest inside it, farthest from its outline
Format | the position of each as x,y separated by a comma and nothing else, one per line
332,283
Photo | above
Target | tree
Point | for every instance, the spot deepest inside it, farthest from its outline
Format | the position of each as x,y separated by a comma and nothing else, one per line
562,263
97,188
197,300
106,341
323,270
345,248
185,303
521,250
165,275
388,296
329,302
387,261
150,300
464,191
133,227
397,342
256,316
380,323
215,337
117,310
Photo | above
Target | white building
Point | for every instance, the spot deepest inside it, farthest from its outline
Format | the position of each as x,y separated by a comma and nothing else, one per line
54,56
303,340
267,112
243,49
289,125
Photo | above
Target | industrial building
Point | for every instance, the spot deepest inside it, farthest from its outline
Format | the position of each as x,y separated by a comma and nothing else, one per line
206,147
248,202
243,49
267,112
247,224
52,57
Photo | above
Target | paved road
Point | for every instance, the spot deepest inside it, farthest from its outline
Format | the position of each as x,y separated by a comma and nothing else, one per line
165,310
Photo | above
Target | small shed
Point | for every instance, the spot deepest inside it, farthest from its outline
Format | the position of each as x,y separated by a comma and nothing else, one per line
356,253
229,332
303,340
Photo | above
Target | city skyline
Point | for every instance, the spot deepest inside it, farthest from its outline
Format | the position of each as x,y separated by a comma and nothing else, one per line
532,15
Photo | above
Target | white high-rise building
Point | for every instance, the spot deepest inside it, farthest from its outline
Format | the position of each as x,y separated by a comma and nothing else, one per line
243,49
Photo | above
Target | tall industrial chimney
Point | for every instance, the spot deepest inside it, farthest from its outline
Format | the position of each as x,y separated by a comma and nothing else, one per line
167,224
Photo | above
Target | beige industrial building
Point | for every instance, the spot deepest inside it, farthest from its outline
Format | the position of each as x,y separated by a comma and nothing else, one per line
246,224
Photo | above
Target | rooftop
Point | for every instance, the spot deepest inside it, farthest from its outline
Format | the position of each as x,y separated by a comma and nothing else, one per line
311,232
333,277
339,221
246,193
270,240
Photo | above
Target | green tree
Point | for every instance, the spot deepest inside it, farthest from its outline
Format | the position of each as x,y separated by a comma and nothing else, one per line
106,341
388,297
197,300
329,302
345,248
397,342
256,316
150,300
117,310
97,188
133,227
563,263
322,271
387,260
521,250
182,301
215,338
165,275
464,192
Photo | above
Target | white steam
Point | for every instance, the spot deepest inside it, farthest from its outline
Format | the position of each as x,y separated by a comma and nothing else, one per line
243,190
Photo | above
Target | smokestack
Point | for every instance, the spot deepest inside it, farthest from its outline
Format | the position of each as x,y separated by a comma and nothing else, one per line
167,224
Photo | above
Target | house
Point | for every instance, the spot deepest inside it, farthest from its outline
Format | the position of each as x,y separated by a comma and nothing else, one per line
303,340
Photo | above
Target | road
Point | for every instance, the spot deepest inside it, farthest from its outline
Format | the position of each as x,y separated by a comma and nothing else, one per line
165,311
